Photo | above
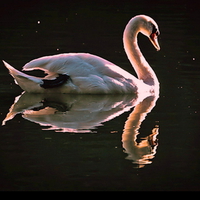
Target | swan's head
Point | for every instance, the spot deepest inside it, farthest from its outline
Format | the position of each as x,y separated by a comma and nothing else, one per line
149,28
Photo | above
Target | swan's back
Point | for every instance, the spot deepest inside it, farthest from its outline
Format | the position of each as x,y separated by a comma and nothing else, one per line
77,64
88,73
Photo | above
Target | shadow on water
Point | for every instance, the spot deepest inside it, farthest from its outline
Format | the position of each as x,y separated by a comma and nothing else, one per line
83,113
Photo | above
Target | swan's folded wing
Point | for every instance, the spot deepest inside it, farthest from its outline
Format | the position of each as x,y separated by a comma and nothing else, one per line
68,63
43,63
78,65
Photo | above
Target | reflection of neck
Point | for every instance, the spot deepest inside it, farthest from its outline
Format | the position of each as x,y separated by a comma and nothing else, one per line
132,125
137,116
139,63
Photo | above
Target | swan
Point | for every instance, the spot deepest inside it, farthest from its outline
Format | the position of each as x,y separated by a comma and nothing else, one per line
84,73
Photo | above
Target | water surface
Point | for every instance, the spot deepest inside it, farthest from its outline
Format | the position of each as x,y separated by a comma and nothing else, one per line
83,143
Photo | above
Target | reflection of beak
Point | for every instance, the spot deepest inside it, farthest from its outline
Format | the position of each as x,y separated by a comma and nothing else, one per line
153,38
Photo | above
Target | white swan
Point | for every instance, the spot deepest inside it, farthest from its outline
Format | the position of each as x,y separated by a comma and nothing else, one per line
84,73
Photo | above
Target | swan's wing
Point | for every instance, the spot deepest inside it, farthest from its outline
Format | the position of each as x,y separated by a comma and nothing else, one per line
77,65
51,65
88,73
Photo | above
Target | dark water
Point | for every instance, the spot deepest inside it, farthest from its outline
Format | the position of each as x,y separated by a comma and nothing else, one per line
83,143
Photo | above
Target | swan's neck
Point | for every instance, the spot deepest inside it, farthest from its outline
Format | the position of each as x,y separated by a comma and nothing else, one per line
141,66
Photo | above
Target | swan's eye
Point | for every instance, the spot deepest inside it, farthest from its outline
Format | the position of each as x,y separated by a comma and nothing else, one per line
157,33
155,30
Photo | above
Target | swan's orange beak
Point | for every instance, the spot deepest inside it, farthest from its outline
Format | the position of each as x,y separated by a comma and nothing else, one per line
154,39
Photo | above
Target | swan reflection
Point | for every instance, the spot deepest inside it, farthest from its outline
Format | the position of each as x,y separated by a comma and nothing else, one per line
84,113
141,152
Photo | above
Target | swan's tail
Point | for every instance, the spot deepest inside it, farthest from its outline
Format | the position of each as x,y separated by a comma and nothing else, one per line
26,82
